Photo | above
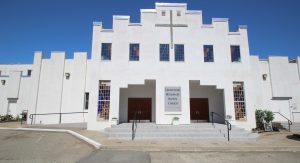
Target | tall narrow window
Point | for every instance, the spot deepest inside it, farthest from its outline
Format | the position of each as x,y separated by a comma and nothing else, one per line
179,52
134,52
178,13
86,100
239,101
208,53
164,52
106,51
103,100
235,54
163,13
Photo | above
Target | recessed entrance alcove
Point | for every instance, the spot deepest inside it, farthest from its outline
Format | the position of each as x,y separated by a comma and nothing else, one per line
204,100
139,100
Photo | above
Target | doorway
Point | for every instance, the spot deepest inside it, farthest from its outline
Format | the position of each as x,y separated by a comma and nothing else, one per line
141,108
199,109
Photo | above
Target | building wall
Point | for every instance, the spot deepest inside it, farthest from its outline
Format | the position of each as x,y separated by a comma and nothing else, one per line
48,91
221,73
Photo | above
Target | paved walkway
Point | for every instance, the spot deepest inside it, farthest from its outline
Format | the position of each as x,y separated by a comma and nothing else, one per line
28,146
271,141
22,146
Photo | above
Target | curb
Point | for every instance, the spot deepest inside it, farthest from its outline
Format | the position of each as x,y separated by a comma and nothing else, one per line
73,133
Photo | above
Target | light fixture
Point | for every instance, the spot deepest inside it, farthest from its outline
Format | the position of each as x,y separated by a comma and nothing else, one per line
264,76
3,82
67,75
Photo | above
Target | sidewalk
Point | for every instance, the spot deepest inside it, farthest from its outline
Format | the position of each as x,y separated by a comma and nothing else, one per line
269,141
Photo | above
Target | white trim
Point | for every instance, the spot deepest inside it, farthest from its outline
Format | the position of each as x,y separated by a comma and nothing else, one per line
121,17
193,11
220,19
97,23
148,10
170,4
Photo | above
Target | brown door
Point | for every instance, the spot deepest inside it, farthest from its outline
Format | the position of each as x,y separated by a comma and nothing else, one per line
199,109
142,106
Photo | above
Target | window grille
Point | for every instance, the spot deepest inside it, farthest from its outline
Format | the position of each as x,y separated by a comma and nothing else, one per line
164,52
134,52
208,53
239,101
104,100
106,51
235,54
179,52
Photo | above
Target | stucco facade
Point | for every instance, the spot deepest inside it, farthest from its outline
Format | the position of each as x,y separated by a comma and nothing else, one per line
59,85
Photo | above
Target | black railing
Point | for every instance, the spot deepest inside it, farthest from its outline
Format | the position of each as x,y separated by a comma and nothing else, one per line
31,115
134,126
226,123
289,121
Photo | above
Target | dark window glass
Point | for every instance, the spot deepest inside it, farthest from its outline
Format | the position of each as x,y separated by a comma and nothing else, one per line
86,103
106,51
134,52
179,52
208,53
164,52
235,54
29,72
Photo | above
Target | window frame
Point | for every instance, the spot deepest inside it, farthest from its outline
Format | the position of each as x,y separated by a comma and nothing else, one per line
108,50
130,50
177,56
160,53
232,55
213,55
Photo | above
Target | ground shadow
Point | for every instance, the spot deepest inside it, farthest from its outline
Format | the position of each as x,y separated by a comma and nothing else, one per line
294,137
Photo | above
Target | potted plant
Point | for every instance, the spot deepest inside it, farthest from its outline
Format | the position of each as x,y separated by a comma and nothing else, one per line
175,121
115,121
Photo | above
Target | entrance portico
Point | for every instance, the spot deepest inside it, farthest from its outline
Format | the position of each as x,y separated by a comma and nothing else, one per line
204,100
139,99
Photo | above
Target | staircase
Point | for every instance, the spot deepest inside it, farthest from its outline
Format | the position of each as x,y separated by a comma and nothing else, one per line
295,127
191,131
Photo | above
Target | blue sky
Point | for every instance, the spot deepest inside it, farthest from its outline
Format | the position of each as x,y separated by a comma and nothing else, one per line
66,25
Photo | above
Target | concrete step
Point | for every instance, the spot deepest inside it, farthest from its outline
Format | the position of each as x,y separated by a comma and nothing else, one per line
295,127
141,135
192,131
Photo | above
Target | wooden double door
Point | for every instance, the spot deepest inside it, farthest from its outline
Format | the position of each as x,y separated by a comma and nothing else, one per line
199,109
140,106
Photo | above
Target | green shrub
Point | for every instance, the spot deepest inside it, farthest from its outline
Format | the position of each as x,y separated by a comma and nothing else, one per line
263,116
7,117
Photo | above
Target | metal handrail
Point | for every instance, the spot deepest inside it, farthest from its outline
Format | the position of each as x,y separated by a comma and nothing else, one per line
289,121
134,126
31,115
226,123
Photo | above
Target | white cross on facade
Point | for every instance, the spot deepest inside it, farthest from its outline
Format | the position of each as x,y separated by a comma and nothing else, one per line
171,25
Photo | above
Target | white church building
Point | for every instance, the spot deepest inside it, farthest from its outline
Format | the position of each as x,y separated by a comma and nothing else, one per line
169,66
